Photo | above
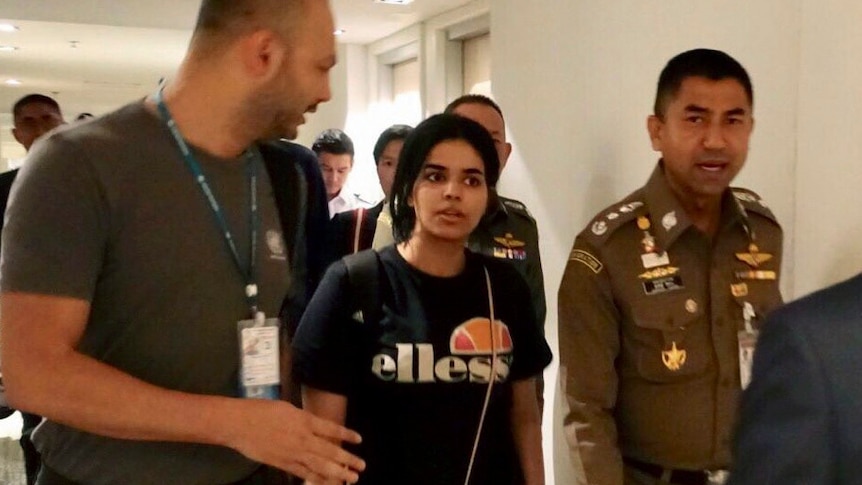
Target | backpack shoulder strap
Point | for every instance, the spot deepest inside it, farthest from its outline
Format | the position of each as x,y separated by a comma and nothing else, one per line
363,275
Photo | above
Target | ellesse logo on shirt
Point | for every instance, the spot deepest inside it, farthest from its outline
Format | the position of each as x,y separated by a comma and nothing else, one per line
470,346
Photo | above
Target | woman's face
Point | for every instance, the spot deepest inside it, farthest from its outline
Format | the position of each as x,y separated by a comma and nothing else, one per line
450,194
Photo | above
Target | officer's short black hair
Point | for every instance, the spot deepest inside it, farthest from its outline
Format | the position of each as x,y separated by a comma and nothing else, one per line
34,98
709,63
333,141
393,133
473,99
414,154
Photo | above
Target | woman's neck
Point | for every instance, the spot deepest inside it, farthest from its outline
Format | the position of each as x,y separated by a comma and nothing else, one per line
435,257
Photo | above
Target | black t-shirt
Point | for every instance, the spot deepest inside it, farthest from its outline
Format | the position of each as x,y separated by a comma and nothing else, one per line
416,380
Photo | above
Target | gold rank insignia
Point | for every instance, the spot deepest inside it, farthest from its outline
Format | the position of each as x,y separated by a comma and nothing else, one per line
659,273
674,358
511,248
753,257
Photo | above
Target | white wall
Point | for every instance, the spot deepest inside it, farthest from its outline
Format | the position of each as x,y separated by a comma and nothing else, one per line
829,172
348,110
577,81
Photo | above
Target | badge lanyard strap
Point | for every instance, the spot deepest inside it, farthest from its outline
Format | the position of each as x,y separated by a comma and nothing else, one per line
251,157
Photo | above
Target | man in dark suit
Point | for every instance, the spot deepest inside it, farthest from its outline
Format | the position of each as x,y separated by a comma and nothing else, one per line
800,417
33,116
359,229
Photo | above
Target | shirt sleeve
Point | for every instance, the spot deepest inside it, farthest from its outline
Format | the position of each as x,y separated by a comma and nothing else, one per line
56,228
589,344
325,347
536,277
531,352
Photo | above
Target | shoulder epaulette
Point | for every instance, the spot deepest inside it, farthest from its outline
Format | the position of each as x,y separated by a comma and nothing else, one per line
752,202
613,218
516,206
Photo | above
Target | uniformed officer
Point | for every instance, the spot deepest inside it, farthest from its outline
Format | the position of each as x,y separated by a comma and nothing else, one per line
507,231
664,292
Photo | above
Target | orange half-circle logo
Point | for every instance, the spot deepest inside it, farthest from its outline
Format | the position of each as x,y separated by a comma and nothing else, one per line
473,337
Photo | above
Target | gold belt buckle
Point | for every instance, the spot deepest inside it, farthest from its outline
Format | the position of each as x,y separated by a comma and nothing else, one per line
717,477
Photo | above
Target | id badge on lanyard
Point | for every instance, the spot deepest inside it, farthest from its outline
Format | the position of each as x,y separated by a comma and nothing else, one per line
747,339
259,357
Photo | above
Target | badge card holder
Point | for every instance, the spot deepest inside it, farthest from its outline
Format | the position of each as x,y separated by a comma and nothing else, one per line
259,357
747,339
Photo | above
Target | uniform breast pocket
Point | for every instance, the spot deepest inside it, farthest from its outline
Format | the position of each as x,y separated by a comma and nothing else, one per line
669,340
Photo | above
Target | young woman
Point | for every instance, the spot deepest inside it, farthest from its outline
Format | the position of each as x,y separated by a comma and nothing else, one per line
407,353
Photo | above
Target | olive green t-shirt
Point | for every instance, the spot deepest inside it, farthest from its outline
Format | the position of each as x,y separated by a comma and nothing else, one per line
108,212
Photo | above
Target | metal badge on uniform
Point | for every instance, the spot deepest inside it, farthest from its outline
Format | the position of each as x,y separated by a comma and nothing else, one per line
654,260
747,339
510,248
674,358
626,208
600,227
648,241
739,289
669,221
753,257
259,357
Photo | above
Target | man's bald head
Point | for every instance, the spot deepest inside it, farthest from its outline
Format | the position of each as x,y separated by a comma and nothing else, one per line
223,21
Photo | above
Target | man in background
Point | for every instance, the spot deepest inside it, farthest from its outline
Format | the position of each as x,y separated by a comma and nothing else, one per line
334,150
360,229
33,116
508,231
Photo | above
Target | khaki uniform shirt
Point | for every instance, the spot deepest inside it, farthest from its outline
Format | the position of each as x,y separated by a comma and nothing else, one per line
508,232
649,322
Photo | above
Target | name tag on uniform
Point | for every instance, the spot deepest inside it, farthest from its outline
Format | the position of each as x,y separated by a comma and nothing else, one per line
259,357
663,285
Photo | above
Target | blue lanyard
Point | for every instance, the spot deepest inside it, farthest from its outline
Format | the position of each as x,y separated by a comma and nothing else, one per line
252,157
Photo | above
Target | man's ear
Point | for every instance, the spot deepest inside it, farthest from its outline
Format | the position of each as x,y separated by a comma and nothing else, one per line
16,135
507,152
261,53
655,128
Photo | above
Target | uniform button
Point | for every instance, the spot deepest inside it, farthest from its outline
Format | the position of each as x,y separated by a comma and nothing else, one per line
691,306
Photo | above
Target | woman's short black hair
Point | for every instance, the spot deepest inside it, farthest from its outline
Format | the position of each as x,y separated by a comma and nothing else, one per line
414,154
